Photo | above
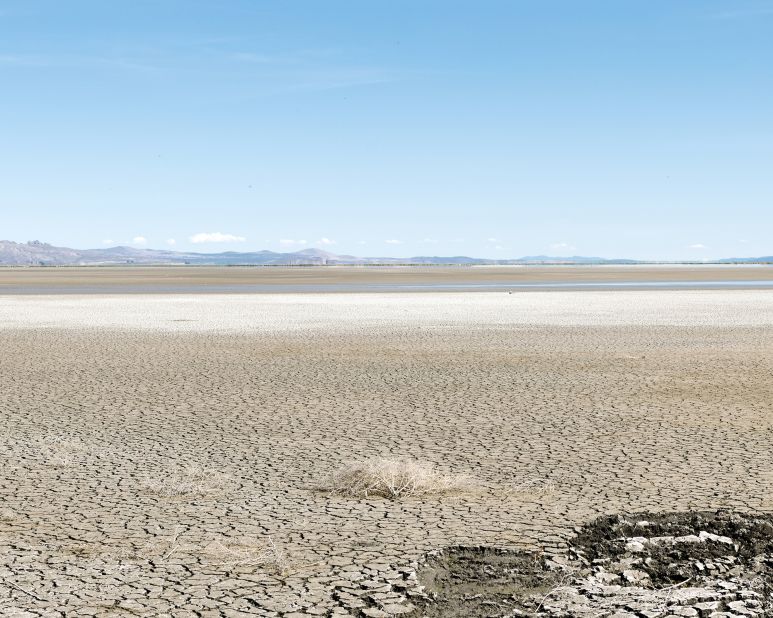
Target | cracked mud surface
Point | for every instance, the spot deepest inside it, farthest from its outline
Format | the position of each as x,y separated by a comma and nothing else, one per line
164,468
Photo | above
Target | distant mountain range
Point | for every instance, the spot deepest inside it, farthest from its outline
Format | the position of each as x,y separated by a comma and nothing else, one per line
36,253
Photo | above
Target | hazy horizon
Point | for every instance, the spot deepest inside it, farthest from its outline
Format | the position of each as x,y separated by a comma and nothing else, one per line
331,251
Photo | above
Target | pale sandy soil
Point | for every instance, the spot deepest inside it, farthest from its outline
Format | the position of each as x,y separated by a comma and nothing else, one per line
561,406
280,313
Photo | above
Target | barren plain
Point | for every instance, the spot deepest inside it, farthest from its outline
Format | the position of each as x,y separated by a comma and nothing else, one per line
273,279
160,454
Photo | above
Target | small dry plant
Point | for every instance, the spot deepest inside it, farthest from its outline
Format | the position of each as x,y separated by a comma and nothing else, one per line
65,452
248,552
393,479
192,481
536,487
221,552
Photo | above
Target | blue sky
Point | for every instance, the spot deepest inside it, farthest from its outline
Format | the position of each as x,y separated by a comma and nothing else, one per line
618,128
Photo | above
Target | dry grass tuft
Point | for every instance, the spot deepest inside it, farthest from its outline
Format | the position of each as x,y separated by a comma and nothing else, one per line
533,487
66,452
392,479
192,481
248,552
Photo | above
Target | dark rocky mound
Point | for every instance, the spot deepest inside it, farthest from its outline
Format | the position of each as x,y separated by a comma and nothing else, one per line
641,565
482,581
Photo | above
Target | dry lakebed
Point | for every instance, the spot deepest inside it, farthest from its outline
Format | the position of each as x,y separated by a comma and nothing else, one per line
579,453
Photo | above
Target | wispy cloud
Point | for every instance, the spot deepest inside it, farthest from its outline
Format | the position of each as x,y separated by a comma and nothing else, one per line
203,237
562,246
393,241
108,241
140,240
297,56
308,70
333,78
258,58
748,12
64,61
171,242
697,246
325,241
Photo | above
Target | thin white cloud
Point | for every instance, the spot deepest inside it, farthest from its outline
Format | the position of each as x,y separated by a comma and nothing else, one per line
362,242
215,237
744,13
140,240
562,246
493,240
310,80
325,241
72,62
393,241
698,245
108,241
171,242
289,242
255,58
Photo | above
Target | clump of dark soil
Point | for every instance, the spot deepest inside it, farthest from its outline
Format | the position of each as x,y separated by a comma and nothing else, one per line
636,565
482,581
676,546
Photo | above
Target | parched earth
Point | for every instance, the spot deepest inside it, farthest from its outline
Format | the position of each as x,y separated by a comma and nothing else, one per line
149,467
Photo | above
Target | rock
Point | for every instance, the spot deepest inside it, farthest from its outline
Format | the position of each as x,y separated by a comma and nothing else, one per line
739,607
708,536
706,607
634,576
689,538
606,578
372,612
396,609
634,547
684,611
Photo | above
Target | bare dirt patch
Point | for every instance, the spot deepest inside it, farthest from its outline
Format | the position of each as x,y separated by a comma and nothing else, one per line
558,421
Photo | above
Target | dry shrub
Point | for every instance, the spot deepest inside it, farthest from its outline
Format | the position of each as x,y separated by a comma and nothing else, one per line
192,481
392,479
534,487
65,452
247,552
224,552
